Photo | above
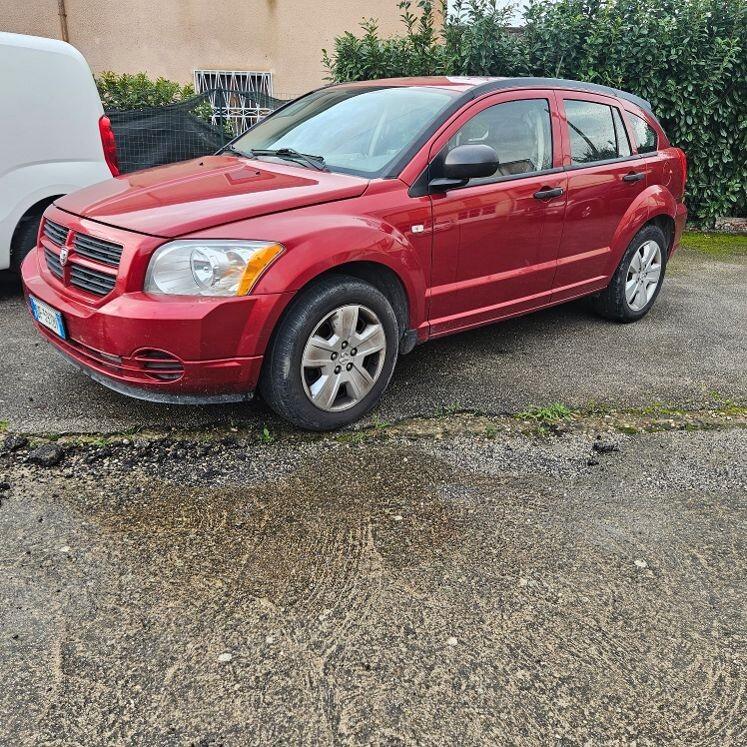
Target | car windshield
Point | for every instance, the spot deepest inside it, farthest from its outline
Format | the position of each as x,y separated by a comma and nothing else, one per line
356,130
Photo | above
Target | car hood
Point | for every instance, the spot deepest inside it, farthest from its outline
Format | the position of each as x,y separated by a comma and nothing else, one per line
185,197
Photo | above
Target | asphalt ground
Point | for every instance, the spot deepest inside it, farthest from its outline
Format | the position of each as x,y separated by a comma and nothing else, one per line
440,575
693,343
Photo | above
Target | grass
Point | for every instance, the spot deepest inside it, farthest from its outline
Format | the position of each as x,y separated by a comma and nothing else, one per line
715,244
554,413
266,437
3,426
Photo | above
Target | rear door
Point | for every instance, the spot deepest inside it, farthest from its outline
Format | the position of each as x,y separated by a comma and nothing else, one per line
495,239
604,177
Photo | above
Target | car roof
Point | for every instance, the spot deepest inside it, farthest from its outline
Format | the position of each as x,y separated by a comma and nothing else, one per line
474,86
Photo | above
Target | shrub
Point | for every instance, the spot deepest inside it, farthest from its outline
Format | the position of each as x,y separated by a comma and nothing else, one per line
138,91
687,57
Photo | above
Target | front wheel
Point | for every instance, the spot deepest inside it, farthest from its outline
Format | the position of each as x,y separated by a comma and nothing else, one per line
638,278
333,354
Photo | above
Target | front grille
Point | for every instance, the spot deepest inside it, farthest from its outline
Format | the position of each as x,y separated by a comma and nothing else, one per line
97,249
90,279
93,281
53,262
56,233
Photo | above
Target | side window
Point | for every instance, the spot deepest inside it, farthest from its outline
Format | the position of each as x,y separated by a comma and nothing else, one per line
646,140
623,144
520,133
596,132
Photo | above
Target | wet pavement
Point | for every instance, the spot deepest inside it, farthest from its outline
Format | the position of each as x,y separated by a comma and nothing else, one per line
457,581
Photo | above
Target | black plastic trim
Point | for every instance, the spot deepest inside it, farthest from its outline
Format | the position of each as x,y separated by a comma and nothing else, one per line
606,162
153,395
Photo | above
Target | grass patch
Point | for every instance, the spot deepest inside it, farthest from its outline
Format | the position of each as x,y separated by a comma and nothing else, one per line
715,244
266,437
554,413
4,426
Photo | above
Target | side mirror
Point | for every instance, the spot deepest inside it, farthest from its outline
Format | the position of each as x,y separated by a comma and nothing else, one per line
466,162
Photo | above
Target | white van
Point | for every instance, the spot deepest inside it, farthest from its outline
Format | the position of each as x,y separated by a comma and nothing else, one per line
54,137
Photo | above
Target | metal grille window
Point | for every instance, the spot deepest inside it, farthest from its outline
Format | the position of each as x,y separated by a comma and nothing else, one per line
239,98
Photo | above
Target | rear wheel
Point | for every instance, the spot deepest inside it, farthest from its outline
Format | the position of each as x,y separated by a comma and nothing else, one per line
333,354
638,278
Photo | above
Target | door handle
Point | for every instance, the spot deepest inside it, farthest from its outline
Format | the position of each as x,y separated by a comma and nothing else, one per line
634,176
546,193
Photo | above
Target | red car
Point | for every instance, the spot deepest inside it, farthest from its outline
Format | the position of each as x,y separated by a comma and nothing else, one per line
350,225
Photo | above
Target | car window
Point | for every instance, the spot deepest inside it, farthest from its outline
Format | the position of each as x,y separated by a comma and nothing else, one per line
646,139
596,132
518,131
621,136
357,130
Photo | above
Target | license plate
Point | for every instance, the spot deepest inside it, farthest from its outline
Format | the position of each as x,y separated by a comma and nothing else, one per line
49,317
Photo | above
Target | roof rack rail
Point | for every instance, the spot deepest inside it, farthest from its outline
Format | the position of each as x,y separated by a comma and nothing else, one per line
574,85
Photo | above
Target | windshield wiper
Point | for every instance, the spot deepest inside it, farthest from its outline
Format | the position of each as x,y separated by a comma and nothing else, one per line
289,154
234,149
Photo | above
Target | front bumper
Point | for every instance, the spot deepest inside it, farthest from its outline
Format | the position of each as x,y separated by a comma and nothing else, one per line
159,348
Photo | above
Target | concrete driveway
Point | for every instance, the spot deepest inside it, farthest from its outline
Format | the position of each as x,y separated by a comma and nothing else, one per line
693,342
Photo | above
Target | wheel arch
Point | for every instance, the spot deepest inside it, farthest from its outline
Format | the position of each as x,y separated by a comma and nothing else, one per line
665,222
33,212
656,206
381,276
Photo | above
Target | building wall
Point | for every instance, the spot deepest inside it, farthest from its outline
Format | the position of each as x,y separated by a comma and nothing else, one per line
172,38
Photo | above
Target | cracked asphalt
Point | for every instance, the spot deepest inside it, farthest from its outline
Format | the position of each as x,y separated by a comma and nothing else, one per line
445,579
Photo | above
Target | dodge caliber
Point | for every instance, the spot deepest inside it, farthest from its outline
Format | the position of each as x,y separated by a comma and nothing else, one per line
351,225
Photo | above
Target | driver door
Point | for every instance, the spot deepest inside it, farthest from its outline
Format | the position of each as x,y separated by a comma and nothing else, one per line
496,239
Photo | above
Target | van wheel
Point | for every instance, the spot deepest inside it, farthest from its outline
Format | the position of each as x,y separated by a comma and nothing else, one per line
638,278
332,355
24,238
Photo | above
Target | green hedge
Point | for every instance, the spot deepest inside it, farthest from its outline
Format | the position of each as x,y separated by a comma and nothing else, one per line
688,57
138,91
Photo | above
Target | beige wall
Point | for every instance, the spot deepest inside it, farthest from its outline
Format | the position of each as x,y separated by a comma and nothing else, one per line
174,37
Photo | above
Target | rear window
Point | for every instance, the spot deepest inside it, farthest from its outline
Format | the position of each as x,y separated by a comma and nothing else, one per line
596,132
646,139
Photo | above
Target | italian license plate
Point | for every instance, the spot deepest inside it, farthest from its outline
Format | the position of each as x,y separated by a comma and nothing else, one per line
49,317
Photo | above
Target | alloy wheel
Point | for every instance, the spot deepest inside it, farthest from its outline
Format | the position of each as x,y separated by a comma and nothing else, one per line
343,358
644,272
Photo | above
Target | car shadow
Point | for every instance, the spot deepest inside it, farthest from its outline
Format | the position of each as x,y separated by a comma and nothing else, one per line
10,285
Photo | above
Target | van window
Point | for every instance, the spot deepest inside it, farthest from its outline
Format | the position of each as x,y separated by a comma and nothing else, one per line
646,140
596,132
520,133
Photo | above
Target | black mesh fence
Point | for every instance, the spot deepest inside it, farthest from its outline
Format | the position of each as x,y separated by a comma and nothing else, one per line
188,129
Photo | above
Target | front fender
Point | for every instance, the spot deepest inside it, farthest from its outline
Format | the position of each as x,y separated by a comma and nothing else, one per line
654,200
318,243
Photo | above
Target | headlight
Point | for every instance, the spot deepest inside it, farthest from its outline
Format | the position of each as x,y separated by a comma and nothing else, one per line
209,268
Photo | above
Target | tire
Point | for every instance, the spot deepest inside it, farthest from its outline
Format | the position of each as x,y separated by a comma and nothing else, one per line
614,302
322,385
24,238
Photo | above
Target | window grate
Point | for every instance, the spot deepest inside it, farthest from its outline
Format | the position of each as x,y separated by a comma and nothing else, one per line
230,94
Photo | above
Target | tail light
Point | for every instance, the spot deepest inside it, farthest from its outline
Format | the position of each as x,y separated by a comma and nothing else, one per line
109,144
